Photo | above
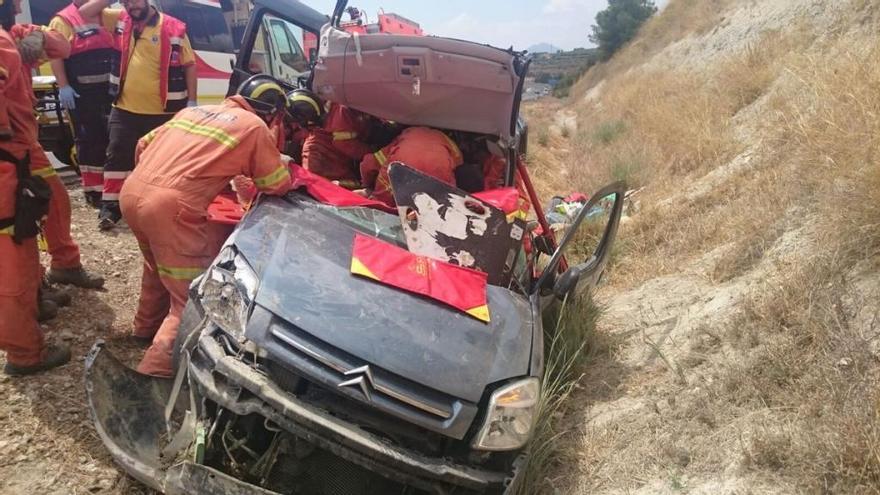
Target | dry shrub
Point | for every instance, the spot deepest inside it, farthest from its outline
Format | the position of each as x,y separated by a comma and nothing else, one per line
831,124
814,359
746,76
814,367
793,395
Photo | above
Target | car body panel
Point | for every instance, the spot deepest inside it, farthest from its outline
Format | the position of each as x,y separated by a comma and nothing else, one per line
302,255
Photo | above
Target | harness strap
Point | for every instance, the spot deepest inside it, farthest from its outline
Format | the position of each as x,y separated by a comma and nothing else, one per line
22,170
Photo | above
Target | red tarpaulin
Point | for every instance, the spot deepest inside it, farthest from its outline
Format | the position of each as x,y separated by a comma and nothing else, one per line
225,209
461,288
507,199
329,193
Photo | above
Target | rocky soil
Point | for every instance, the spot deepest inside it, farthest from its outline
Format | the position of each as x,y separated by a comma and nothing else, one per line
47,441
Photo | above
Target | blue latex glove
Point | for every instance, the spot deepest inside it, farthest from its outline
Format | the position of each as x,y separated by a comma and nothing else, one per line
68,97
192,103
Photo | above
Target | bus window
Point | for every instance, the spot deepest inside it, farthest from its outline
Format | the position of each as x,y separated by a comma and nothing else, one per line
206,26
43,11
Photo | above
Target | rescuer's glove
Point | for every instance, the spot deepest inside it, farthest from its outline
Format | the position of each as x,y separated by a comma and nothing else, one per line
31,47
192,103
67,96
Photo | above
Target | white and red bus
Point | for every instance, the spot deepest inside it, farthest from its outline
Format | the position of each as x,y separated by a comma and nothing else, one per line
214,28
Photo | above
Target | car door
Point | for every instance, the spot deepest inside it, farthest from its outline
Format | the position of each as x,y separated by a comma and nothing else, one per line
577,264
273,41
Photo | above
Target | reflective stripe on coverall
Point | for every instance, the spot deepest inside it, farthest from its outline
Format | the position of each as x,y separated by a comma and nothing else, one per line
20,334
56,230
181,167
427,150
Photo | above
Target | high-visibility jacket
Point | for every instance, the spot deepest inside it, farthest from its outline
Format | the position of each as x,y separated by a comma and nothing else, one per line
93,53
172,78
426,150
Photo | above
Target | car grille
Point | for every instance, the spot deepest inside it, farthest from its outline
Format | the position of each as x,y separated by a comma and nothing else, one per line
345,375
363,378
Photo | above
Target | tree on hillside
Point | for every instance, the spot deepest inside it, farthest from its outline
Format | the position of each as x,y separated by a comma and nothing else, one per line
619,23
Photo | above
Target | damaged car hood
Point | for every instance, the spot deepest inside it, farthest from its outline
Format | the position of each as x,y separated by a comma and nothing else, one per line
302,253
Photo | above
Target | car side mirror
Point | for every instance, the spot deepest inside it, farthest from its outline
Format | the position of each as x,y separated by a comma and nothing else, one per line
589,236
567,283
313,54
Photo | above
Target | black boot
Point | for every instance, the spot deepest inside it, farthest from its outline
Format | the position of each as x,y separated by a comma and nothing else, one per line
109,215
46,310
75,276
56,355
93,199
60,297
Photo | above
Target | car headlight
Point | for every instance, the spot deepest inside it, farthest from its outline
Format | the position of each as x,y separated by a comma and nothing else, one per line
510,418
227,291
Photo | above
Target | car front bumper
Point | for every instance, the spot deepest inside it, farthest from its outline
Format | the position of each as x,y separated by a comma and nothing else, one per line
128,411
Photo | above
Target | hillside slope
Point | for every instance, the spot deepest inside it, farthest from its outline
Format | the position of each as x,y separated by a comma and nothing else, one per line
742,300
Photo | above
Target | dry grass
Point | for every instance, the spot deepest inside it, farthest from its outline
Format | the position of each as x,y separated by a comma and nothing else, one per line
766,167
571,341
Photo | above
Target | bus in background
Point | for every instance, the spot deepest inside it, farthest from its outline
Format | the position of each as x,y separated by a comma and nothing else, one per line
214,28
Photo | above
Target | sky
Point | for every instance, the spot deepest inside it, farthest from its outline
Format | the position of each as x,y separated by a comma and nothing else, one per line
521,23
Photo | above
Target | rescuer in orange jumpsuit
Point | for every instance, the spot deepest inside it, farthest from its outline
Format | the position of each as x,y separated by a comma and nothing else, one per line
427,150
334,149
66,266
20,334
181,167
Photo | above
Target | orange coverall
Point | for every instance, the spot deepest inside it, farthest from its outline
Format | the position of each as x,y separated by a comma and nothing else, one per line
181,167
427,150
56,230
334,150
20,335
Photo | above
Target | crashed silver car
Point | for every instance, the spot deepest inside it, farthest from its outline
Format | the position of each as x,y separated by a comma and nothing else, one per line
299,376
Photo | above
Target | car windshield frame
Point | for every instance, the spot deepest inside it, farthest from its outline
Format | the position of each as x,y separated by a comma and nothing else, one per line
387,227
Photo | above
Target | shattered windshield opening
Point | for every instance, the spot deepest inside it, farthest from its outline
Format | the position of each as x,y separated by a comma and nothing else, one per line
369,221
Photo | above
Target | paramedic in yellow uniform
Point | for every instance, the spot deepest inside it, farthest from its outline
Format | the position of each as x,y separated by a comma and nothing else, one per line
153,78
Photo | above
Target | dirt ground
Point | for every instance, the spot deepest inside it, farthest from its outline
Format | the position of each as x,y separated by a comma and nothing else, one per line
46,436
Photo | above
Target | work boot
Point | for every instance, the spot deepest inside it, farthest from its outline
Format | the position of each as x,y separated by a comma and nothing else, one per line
46,310
55,356
75,276
109,215
93,199
60,297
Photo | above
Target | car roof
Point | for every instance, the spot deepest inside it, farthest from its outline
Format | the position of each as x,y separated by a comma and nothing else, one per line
422,80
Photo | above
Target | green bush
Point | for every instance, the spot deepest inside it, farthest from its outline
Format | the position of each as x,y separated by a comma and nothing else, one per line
608,131
626,168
